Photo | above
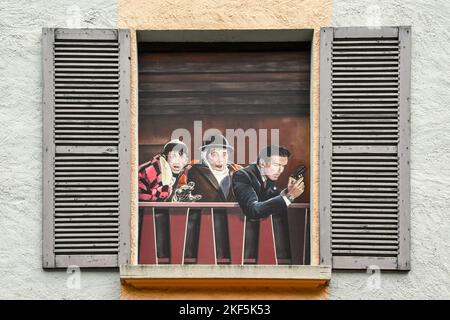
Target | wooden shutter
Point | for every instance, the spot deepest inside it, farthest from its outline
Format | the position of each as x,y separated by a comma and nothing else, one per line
86,109
365,139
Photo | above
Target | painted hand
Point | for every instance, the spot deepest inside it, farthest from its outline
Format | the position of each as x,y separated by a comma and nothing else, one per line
184,194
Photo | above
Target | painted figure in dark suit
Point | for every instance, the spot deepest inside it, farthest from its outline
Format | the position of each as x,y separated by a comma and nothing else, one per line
258,196
254,186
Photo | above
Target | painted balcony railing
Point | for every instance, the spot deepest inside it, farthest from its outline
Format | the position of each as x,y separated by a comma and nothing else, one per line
218,233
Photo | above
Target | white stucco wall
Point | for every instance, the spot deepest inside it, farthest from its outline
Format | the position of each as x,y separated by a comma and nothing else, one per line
21,274
430,150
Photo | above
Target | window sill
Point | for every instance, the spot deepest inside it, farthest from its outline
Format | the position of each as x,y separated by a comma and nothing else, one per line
179,276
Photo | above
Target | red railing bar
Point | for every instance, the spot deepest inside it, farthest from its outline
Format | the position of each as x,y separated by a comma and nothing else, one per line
207,242
205,205
295,222
236,235
178,223
148,252
307,217
267,253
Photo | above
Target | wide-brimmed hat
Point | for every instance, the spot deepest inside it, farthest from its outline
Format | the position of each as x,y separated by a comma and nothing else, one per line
216,141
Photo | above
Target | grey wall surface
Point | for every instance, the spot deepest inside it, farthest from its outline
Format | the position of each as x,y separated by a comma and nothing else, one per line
430,151
21,275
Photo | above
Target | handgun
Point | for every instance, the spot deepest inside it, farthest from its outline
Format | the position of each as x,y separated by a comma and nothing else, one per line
299,172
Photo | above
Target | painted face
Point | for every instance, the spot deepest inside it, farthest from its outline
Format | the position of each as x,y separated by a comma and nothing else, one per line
273,168
176,161
218,158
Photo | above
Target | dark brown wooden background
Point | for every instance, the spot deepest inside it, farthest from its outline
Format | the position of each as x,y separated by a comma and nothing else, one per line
226,86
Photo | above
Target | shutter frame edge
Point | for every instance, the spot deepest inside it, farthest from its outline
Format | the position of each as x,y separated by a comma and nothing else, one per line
326,38
124,39
404,153
48,254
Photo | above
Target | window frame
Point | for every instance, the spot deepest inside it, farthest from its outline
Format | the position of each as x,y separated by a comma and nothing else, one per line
298,35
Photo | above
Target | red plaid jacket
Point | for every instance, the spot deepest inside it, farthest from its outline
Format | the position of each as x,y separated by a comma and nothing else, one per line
151,187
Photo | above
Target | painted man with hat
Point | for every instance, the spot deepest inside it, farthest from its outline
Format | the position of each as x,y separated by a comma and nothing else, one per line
212,177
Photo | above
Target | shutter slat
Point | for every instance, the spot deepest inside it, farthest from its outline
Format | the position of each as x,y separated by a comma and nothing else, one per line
346,41
363,210
79,236
364,89
63,112
363,189
381,77
63,199
364,136
89,94
393,243
340,183
337,220
371,84
351,51
82,250
91,205
87,116
374,205
90,179
338,47
85,108
336,194
88,240
357,174
110,131
370,61
364,215
86,89
356,237
89,223
342,232
386,180
63,127
88,215
97,76
90,136
364,226
68,53
60,246
81,231
85,69
99,43
89,219
85,121
84,81
91,60
78,193
86,173
367,253
361,246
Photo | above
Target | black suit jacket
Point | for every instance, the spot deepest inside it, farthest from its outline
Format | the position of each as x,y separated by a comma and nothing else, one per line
255,200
